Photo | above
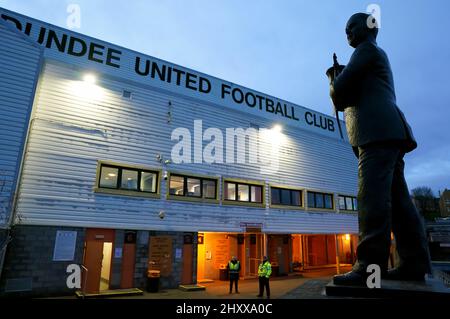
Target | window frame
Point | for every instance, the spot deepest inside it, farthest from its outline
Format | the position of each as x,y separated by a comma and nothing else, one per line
118,190
291,189
352,197
315,193
185,196
248,183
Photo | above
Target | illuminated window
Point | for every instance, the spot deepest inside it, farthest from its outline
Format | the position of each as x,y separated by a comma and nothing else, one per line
176,185
109,177
320,200
243,192
283,196
194,187
230,191
148,182
128,179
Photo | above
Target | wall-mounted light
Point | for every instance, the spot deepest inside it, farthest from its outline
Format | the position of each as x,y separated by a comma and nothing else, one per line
90,78
87,88
277,128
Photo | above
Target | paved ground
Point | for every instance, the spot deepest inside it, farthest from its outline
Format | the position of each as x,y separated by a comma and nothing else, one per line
309,285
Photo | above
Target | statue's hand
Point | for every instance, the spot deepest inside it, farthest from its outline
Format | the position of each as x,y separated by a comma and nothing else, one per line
330,72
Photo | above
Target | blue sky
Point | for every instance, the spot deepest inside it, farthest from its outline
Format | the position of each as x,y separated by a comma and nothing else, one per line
283,48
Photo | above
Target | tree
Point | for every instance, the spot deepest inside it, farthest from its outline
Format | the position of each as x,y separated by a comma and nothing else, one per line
425,201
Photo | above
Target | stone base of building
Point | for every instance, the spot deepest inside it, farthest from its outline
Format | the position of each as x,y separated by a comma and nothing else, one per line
35,266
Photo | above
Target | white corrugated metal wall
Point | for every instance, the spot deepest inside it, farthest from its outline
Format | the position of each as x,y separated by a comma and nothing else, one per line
20,65
70,133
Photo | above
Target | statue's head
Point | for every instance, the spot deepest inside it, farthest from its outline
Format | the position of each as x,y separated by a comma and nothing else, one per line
360,27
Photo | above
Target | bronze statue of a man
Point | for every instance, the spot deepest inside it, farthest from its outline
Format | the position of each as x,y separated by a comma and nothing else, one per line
380,137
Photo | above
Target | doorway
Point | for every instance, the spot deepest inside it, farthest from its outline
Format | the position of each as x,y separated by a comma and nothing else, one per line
97,259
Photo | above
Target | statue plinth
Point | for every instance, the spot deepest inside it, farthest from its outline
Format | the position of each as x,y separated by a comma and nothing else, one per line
431,288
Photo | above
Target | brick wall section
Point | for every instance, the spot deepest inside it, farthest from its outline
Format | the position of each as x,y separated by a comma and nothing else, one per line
30,255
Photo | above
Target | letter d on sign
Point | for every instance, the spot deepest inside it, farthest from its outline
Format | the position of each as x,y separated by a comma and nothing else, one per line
374,279
74,279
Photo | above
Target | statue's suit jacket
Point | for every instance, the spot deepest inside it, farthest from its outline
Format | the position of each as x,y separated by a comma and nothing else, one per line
365,91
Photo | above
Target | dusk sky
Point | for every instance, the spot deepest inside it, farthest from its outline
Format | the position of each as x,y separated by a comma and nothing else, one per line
283,48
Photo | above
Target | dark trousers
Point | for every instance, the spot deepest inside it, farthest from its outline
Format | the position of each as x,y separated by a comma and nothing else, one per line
385,205
234,278
264,282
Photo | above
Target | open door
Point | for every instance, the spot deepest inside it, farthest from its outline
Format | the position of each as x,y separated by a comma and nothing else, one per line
97,259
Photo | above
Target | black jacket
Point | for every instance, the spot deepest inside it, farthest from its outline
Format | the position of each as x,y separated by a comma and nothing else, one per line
365,91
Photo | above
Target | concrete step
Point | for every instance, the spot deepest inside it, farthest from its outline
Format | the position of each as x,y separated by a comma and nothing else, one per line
110,293
191,287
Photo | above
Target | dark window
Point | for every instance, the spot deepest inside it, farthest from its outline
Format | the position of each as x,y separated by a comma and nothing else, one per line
275,196
243,192
209,188
191,186
289,197
256,194
320,200
124,178
328,201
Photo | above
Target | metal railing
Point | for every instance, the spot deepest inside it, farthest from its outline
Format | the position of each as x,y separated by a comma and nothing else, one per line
442,275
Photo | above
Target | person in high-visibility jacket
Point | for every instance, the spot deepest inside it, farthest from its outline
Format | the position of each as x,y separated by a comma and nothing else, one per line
234,266
264,272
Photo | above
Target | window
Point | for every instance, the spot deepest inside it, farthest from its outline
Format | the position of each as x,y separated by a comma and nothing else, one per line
230,191
275,196
243,192
176,185
320,200
283,196
128,179
209,188
148,181
192,186
348,203
109,177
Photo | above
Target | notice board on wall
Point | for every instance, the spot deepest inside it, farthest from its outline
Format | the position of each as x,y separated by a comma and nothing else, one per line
222,252
160,254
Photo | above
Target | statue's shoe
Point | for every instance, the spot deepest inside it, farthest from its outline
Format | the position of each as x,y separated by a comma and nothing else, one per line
352,278
405,274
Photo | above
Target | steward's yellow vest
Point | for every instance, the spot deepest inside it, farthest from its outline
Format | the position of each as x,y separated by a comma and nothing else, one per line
265,269
234,268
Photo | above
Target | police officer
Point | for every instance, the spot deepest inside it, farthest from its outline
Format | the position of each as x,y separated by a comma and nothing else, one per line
264,272
234,266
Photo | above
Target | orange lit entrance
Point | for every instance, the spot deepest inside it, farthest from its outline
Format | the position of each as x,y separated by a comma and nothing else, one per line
216,249
288,253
